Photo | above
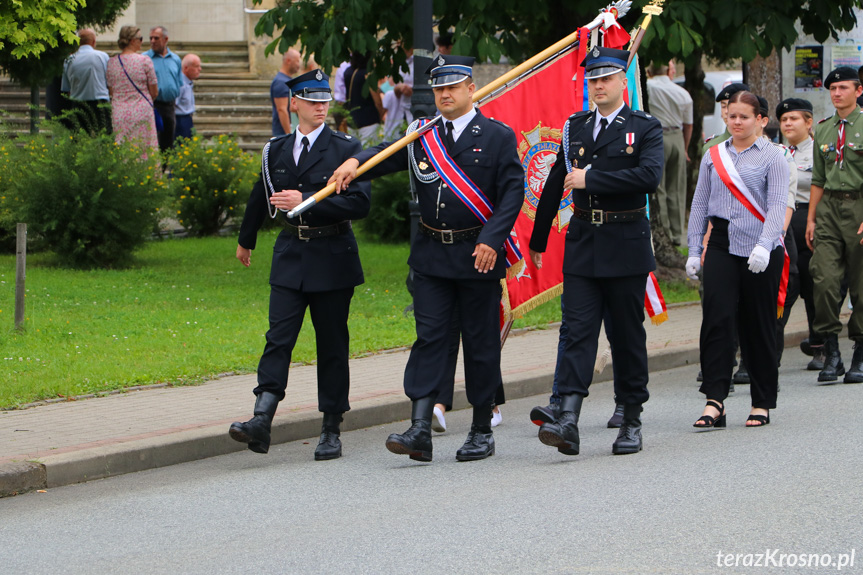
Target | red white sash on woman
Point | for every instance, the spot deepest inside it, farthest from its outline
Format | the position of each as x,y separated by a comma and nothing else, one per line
731,178
462,186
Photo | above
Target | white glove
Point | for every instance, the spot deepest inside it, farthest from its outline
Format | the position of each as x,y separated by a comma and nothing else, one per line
693,264
758,260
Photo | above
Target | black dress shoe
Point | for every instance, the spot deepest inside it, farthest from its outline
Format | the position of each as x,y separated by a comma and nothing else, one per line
833,366
700,377
416,442
480,441
563,433
742,375
256,431
542,414
855,372
629,437
616,419
818,357
329,445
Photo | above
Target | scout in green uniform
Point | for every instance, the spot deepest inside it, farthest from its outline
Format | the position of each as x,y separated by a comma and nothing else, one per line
833,224
723,97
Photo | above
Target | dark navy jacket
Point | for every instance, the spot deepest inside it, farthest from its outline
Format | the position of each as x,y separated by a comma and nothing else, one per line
319,264
619,177
486,152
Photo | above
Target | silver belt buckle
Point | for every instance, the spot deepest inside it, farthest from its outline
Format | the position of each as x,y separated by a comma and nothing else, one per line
446,237
300,233
596,217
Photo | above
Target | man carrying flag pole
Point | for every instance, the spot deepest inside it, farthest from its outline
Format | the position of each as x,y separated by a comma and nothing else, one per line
610,158
469,184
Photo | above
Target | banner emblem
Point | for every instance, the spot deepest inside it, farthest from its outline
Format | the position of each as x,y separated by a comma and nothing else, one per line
538,150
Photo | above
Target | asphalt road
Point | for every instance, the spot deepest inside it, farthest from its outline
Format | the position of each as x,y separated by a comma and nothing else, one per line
680,506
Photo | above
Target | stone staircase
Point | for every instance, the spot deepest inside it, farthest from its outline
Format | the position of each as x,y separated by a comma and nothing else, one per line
228,97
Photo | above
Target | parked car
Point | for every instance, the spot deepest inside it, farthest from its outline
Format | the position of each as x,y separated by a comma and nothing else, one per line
713,83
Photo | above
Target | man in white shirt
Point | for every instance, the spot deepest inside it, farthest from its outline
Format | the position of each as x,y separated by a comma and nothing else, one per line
85,82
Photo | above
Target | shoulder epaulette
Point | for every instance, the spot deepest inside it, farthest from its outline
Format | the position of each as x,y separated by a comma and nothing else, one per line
504,124
641,114
821,121
579,114
710,138
342,135
274,138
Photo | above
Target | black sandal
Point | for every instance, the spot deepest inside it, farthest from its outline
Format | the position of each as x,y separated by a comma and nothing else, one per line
706,421
761,420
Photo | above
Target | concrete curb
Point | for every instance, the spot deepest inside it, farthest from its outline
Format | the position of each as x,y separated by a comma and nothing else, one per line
213,440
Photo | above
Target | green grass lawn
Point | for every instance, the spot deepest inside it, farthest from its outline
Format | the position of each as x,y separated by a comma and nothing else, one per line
187,311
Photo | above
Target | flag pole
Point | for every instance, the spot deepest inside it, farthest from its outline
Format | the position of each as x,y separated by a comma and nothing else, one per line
606,16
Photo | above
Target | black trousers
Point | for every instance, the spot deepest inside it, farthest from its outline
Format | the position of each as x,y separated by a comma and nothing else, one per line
620,300
804,254
732,292
429,364
329,311
169,118
791,294
445,393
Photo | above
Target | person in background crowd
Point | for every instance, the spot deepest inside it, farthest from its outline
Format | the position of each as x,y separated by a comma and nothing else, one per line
833,226
84,80
280,94
132,83
397,102
444,43
672,106
743,191
169,71
184,107
366,111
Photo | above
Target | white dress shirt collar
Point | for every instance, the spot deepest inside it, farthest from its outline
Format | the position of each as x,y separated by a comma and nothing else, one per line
460,123
609,119
298,141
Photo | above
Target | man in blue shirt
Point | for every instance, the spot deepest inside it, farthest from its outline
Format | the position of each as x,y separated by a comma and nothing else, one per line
280,93
85,83
184,107
168,73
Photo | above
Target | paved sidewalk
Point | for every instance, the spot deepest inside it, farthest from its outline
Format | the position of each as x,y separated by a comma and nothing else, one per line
70,442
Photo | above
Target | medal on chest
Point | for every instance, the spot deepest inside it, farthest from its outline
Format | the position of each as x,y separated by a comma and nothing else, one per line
630,140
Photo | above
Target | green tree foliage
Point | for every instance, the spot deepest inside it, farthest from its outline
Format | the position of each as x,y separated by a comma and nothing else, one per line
35,37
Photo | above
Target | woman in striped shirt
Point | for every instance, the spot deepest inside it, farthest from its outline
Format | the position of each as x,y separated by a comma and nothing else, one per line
742,191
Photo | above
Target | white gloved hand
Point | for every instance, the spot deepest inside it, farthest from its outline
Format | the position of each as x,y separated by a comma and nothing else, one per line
758,260
693,264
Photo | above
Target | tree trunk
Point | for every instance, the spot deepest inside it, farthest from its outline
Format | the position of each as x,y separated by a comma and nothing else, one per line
764,76
694,84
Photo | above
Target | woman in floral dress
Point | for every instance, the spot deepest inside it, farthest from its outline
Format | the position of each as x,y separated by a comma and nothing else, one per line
132,104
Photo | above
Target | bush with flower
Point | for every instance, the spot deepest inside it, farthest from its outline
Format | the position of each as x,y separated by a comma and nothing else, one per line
91,200
210,182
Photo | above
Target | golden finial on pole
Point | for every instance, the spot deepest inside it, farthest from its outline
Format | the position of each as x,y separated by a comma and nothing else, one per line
649,11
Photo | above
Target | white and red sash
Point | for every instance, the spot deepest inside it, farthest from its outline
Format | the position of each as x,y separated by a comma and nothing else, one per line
731,178
462,186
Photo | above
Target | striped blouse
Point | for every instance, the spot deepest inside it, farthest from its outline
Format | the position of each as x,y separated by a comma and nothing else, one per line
764,170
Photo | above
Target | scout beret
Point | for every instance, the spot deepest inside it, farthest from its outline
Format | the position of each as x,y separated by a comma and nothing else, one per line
730,90
840,74
793,105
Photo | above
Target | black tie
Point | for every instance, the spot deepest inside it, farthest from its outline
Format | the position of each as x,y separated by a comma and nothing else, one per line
450,141
603,123
304,152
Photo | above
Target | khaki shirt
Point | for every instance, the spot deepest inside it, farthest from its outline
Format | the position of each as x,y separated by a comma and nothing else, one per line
826,173
669,103
715,139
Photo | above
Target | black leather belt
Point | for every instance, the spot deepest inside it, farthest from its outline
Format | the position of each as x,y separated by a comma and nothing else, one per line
604,217
842,195
450,236
308,233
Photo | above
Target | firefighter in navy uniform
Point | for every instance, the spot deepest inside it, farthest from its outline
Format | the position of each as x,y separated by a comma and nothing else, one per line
610,158
458,260
316,264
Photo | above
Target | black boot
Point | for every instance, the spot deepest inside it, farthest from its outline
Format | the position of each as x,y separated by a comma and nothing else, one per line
563,433
629,437
807,347
855,372
616,419
256,431
542,414
817,361
833,366
480,442
416,441
329,446
742,375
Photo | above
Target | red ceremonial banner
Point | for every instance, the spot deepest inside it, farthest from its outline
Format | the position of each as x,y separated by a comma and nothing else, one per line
536,110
